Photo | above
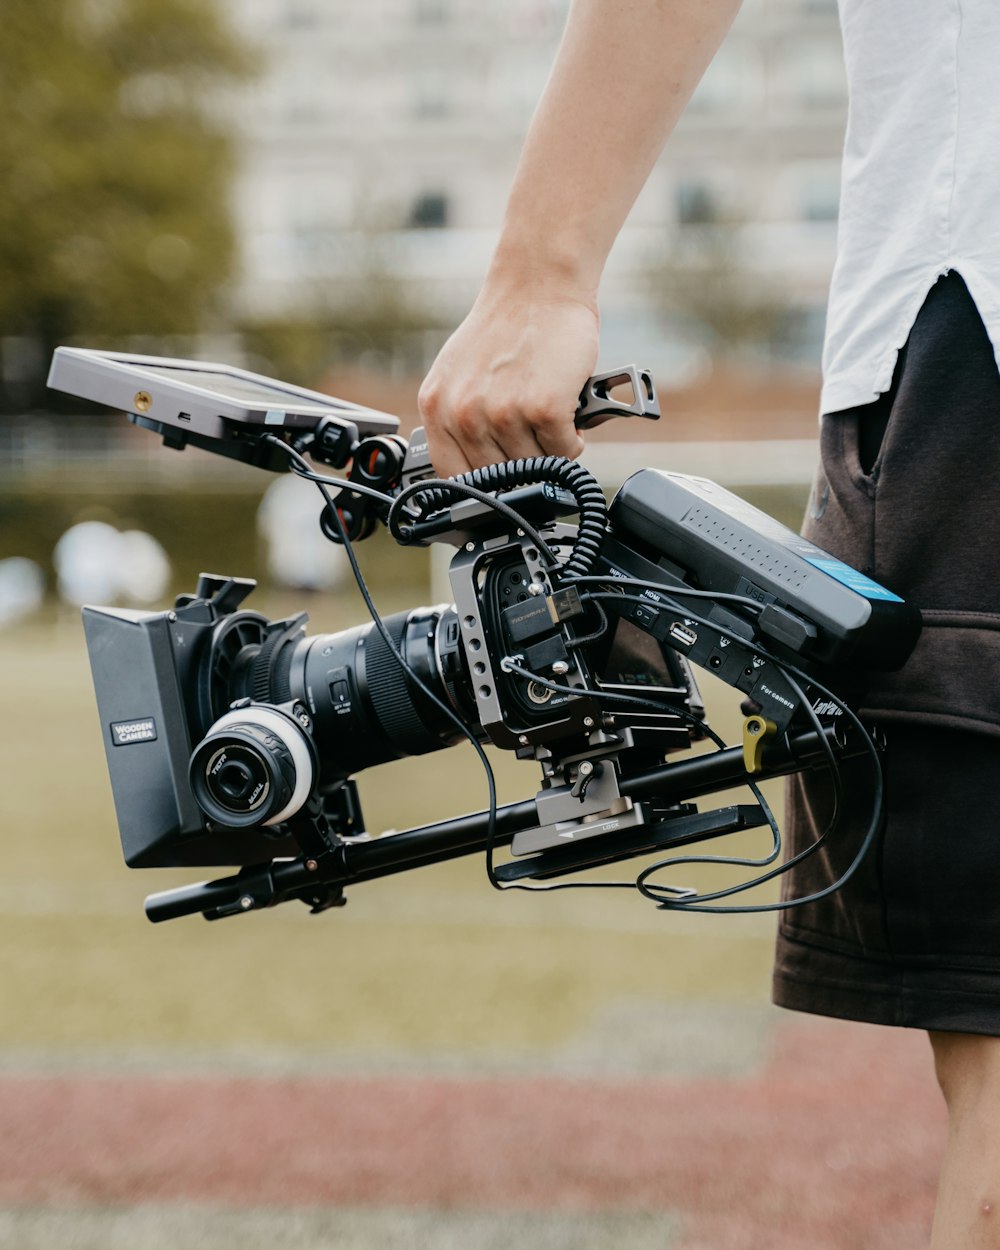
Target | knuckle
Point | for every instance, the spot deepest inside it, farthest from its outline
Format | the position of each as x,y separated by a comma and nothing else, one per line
548,418
429,400
502,422
467,420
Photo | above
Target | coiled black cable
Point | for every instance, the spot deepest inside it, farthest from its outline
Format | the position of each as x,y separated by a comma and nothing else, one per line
496,478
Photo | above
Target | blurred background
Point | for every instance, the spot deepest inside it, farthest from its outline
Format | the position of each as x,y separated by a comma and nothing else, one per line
311,189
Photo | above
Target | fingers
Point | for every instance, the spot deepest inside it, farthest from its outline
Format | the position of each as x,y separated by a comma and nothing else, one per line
449,459
506,384
477,434
459,438
558,436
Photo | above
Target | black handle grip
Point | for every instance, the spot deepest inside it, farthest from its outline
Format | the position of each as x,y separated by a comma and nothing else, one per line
260,885
597,405
191,899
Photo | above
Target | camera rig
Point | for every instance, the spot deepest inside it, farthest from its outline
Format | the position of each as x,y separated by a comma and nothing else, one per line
233,740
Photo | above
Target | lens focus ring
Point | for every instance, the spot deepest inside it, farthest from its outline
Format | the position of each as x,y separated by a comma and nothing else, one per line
255,767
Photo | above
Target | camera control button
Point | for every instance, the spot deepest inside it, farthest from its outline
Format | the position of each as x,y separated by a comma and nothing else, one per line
645,616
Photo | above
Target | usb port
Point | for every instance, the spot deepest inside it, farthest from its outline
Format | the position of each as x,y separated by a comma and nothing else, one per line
183,416
683,634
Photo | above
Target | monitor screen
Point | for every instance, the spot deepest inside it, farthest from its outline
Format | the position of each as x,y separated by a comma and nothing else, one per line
244,390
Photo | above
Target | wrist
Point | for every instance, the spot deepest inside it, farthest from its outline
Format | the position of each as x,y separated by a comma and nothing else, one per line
542,268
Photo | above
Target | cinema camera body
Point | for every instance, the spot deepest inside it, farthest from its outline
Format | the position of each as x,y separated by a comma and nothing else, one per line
232,739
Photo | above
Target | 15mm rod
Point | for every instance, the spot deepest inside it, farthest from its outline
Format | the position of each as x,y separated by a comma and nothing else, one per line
354,862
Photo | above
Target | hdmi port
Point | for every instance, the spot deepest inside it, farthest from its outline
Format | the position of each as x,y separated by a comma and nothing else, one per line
683,634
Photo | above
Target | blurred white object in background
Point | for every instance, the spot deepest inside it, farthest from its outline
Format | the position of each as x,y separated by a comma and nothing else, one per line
22,589
144,569
95,563
86,562
299,557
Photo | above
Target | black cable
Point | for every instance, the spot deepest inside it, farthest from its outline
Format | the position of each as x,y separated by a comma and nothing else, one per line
877,777
582,639
512,666
684,592
576,569
454,486
783,904
654,891
432,496
296,458
787,669
302,469
690,900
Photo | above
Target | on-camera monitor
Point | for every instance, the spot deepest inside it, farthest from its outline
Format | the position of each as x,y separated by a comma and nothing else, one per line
222,382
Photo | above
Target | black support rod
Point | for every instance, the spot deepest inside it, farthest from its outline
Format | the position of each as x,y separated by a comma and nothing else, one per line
467,835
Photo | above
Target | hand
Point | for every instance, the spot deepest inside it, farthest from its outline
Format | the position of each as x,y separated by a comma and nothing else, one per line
508,381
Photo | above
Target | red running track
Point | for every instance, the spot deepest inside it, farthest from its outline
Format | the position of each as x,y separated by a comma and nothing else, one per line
833,1145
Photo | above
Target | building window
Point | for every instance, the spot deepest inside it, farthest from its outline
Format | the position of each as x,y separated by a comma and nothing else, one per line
696,205
820,200
813,190
432,93
815,75
429,211
300,15
432,12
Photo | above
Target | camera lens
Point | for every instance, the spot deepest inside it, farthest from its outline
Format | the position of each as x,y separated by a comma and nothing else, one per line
255,767
237,777
367,710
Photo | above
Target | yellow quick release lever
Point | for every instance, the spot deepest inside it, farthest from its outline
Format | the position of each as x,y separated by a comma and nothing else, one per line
756,731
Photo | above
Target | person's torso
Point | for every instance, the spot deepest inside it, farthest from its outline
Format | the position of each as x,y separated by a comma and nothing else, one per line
921,180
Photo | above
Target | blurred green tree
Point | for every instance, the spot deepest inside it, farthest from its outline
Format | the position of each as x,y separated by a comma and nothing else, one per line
738,309
117,158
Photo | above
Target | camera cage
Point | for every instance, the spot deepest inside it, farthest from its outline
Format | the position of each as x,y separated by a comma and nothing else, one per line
678,570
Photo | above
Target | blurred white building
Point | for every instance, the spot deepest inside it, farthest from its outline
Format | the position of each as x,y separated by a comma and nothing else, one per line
407,116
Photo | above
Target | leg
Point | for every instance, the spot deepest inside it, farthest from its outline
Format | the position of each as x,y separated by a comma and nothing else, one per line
967,1216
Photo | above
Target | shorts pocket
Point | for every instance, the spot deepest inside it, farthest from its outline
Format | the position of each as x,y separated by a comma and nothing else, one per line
952,679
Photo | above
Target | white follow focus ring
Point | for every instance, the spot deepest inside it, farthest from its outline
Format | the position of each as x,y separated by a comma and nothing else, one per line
291,737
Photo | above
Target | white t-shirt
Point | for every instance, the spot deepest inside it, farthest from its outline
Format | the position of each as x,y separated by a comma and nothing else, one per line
921,180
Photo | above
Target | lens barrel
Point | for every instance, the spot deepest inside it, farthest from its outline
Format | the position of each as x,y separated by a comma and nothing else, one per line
257,765
367,709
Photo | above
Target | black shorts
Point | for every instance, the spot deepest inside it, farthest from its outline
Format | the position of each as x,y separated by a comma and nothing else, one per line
909,492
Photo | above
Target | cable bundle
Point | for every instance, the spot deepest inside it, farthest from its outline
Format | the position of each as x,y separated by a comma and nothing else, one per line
489,482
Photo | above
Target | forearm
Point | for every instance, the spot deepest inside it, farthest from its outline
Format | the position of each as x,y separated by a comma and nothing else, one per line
506,383
623,75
